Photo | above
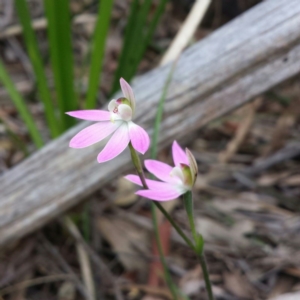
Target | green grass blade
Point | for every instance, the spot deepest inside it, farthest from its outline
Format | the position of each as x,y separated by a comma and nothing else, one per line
142,46
126,46
158,13
98,48
159,112
21,106
61,54
137,37
36,60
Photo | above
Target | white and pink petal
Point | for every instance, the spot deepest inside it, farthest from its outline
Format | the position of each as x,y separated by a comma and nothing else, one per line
117,144
165,193
90,115
161,170
139,138
128,92
179,156
93,134
152,184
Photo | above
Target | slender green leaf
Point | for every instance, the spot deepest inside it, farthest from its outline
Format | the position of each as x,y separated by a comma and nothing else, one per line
98,47
137,37
21,106
126,46
61,54
36,60
142,46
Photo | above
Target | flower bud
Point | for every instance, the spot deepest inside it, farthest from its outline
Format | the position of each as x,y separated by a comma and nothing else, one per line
192,164
187,175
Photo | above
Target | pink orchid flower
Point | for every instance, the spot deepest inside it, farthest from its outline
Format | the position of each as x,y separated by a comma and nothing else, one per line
116,121
176,180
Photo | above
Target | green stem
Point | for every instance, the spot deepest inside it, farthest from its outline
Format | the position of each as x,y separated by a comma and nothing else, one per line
21,106
188,203
203,264
199,243
137,163
160,110
177,228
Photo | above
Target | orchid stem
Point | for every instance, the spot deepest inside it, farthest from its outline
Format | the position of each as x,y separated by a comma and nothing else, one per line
199,242
177,228
188,203
204,268
137,163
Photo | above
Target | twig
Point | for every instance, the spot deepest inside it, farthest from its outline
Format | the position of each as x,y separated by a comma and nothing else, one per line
86,271
54,252
67,222
187,31
241,133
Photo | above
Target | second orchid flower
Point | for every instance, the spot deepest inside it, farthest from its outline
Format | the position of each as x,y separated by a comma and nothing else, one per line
176,181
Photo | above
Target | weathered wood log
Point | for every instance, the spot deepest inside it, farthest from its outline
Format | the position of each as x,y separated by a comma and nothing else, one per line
225,70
